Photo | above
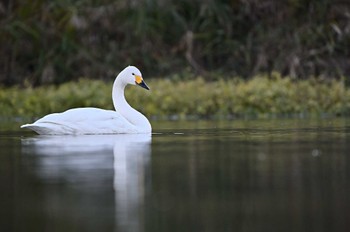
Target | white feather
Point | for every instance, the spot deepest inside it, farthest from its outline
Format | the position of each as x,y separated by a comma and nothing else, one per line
125,120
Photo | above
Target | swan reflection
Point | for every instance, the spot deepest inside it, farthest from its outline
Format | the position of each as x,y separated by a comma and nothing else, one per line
87,163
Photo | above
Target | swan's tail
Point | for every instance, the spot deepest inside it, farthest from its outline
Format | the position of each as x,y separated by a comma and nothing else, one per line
38,129
26,126
44,128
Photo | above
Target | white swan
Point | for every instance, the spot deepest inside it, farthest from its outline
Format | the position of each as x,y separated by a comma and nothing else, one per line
124,120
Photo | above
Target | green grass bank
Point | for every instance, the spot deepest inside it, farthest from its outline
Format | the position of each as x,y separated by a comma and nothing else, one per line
260,96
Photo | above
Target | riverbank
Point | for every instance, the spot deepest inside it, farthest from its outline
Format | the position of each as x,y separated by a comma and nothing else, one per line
260,96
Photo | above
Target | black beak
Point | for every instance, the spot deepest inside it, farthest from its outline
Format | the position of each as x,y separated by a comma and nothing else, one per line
143,85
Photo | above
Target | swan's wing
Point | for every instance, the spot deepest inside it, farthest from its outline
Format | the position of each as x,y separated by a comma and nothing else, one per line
82,121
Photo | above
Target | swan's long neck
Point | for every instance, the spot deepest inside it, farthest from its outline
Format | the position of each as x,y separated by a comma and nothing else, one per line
122,106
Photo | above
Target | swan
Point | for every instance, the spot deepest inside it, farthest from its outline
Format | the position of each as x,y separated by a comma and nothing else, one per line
89,120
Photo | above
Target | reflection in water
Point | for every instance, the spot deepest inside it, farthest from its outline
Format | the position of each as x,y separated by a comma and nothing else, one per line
252,180
259,178
130,163
85,164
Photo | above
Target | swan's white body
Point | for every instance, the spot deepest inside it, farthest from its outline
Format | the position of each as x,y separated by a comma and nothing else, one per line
124,120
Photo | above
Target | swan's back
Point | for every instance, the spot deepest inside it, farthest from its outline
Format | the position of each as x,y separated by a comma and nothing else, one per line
83,121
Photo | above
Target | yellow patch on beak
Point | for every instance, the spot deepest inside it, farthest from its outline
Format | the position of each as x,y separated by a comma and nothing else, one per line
138,79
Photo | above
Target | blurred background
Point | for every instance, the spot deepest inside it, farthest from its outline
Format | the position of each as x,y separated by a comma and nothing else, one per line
273,74
44,42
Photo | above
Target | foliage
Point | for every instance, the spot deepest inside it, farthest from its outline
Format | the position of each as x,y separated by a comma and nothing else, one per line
56,41
261,96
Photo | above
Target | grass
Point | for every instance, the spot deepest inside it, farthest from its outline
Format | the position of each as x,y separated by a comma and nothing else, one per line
261,96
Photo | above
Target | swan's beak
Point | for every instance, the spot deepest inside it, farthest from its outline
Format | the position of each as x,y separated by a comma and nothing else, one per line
139,81
144,85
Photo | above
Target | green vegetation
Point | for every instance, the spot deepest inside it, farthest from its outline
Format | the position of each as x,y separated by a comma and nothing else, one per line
261,96
58,41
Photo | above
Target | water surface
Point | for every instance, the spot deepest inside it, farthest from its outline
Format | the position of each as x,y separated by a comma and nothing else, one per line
243,175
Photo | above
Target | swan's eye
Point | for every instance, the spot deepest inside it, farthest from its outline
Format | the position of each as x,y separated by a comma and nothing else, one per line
133,74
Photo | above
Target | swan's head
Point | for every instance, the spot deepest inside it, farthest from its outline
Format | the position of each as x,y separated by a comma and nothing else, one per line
132,75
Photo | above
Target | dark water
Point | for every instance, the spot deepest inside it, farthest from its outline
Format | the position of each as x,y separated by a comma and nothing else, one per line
267,175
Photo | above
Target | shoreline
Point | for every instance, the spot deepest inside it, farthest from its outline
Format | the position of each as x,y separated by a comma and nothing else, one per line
259,97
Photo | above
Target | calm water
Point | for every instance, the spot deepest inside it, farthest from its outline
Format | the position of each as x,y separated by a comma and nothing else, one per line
267,175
